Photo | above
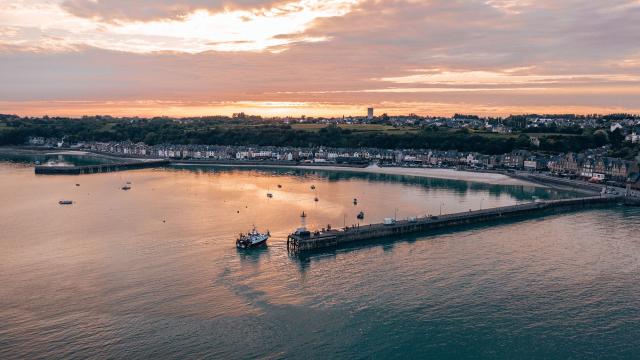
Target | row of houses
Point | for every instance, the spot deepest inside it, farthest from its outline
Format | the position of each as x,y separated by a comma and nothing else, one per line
213,152
514,160
591,166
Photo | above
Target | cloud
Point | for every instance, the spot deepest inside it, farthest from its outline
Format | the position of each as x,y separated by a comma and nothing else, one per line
506,77
146,10
194,31
472,54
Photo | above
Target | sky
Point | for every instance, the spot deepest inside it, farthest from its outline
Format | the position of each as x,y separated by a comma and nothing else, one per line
318,57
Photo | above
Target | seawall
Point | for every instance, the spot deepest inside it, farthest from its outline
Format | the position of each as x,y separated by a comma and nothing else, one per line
101,168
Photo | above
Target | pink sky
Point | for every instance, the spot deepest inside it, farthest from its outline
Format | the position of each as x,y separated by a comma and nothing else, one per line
318,57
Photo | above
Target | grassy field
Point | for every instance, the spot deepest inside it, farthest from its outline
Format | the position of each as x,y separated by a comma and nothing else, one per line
491,135
355,128
550,134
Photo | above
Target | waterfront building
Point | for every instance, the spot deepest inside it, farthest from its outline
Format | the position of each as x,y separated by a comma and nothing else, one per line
535,163
515,159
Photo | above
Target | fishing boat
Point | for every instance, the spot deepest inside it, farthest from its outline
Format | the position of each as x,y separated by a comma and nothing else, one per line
65,202
355,201
316,199
279,186
269,195
252,239
361,215
313,187
126,187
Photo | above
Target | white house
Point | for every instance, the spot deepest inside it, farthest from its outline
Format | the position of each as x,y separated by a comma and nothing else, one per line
633,138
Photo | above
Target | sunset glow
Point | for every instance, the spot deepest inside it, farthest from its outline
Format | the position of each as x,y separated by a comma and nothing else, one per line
313,57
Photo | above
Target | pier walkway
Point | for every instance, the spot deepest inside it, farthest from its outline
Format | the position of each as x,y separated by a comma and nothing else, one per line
307,241
102,168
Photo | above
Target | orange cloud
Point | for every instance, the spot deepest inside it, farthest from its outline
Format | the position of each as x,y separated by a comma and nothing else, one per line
321,57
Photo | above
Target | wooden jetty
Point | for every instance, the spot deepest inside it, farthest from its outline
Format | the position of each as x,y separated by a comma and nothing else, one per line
301,241
102,168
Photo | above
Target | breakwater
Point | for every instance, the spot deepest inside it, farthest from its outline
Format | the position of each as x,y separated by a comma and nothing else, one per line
301,241
101,168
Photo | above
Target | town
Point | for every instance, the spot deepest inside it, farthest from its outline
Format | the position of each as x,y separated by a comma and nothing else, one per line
592,166
599,149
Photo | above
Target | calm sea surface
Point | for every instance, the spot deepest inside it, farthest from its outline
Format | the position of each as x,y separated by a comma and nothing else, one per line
153,272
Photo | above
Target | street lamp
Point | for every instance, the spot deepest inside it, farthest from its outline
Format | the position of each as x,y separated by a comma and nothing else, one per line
441,204
481,200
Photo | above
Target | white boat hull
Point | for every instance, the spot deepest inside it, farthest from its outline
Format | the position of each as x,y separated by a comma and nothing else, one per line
251,240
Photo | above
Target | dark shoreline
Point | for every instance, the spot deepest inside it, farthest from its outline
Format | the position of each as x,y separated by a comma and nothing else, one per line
532,178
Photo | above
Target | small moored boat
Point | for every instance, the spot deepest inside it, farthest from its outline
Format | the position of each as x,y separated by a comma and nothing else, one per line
126,187
65,202
361,215
252,239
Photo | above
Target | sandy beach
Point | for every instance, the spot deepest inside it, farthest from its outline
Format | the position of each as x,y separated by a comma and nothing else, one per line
450,174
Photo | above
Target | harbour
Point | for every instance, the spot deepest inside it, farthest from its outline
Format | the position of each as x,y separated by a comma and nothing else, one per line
325,238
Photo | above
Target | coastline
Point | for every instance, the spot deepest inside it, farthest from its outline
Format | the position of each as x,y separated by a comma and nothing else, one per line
492,178
437,173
